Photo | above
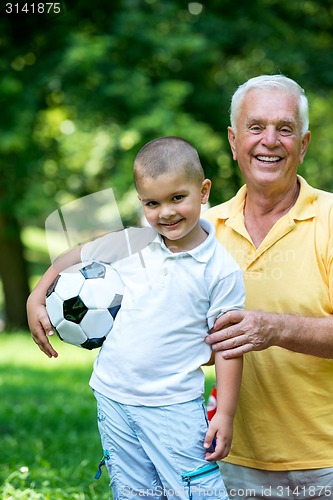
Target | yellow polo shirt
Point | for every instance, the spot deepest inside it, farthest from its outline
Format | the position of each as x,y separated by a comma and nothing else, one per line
285,415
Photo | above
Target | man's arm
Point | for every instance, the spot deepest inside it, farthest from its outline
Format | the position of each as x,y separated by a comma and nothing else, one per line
238,332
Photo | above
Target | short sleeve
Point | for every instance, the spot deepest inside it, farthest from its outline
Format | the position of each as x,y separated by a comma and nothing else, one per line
228,294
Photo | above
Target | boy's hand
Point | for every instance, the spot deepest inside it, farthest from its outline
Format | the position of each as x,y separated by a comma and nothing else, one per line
40,328
220,430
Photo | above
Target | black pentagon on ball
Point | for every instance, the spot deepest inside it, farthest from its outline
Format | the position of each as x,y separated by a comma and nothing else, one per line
93,270
74,309
93,343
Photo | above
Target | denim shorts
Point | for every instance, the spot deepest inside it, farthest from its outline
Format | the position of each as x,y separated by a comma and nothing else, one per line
157,452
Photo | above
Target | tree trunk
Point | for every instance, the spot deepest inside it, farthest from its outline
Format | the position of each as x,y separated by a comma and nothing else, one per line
13,273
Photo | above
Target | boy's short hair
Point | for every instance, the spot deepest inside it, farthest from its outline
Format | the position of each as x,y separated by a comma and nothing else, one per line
168,155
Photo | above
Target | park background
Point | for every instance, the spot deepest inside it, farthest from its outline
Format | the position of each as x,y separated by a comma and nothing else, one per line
80,92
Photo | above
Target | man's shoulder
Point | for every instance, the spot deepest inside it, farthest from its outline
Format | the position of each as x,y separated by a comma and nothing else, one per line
324,196
324,209
221,211
323,201
312,194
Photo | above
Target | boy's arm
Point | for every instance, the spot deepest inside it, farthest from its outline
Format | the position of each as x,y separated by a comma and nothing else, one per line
228,381
38,319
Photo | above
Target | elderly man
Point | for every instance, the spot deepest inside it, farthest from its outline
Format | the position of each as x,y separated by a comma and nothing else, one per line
280,230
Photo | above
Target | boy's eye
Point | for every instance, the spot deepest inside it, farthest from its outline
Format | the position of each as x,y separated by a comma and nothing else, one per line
179,197
151,204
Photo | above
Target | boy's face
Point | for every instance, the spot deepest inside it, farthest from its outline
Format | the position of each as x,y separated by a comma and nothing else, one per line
172,205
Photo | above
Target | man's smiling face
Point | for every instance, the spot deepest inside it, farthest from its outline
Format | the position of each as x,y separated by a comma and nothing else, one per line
268,142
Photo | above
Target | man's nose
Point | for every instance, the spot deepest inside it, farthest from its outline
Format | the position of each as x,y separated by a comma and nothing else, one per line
270,137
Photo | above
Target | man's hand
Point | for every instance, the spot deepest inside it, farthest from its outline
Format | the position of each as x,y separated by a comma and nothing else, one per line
238,332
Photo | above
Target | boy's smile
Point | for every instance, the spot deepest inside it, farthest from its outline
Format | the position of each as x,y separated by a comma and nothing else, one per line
172,205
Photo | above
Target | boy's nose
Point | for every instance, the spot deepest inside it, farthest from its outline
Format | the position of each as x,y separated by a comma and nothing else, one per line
166,211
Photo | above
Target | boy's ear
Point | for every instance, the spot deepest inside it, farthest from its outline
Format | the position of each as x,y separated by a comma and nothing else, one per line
205,191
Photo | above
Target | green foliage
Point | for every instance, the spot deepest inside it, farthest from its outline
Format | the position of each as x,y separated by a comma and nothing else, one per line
81,92
93,85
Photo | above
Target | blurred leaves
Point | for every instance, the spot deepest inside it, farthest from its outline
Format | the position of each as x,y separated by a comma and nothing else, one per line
81,92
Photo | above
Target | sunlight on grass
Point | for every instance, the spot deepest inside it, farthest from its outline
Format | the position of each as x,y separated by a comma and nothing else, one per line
34,239
36,252
50,446
21,350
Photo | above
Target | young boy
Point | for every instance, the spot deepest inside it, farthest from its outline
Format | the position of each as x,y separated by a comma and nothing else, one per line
147,377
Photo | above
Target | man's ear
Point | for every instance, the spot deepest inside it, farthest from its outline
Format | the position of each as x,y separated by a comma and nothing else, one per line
305,144
232,142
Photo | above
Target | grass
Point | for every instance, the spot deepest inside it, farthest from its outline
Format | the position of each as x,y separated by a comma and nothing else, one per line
50,446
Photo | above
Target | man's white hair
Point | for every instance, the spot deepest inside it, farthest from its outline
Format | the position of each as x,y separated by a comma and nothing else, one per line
271,82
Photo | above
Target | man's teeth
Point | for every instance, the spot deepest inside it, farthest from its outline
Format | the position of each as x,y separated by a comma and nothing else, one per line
268,158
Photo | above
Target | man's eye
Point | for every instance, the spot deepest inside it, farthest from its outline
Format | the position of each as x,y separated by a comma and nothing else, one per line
255,129
286,131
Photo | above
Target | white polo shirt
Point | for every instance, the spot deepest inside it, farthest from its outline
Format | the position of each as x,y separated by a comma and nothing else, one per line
154,352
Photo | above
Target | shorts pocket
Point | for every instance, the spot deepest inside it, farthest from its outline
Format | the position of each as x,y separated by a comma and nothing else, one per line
205,481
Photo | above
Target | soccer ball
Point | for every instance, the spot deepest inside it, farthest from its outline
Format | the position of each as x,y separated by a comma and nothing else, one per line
83,302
